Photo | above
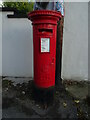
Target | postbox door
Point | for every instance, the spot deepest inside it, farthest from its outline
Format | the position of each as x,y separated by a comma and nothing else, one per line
44,58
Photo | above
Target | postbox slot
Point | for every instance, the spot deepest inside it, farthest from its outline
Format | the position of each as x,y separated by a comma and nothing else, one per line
43,30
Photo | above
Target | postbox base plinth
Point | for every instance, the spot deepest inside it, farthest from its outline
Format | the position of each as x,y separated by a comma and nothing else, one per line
44,95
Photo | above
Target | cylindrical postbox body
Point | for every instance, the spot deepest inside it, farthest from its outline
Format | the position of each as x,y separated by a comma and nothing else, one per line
44,44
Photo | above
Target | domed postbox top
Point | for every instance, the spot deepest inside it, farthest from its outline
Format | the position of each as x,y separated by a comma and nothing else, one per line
44,16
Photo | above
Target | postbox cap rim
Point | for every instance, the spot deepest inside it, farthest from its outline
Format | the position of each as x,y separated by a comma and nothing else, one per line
37,13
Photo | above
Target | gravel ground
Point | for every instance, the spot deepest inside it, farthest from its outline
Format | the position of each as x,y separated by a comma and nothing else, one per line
18,102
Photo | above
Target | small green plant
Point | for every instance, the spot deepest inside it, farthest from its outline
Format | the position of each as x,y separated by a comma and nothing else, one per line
22,7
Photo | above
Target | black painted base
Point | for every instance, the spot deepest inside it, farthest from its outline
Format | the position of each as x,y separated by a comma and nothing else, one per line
44,95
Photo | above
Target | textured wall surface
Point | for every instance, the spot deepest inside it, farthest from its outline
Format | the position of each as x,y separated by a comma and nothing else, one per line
0,44
16,43
17,46
75,43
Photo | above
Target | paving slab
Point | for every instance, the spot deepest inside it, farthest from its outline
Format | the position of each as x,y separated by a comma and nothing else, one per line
79,90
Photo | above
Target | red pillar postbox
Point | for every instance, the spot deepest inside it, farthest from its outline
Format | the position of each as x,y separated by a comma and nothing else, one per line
44,43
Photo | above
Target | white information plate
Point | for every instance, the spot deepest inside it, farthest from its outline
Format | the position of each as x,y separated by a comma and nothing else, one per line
45,44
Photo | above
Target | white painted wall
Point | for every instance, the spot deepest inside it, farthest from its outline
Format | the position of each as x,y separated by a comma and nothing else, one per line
0,44
75,43
17,47
0,65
